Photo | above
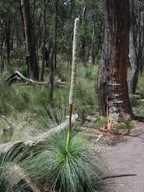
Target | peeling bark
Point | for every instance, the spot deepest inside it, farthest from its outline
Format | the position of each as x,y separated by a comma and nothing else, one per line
112,82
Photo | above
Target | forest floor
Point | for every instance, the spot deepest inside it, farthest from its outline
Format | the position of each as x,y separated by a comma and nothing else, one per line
127,157
25,112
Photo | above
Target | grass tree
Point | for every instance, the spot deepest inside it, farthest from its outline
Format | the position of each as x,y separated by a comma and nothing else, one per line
78,169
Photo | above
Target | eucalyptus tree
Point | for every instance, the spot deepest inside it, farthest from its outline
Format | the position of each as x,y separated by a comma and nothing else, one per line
113,95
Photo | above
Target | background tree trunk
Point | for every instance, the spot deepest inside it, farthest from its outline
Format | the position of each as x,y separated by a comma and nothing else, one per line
54,50
93,35
29,40
83,41
2,48
8,33
112,82
134,67
140,36
44,40
55,32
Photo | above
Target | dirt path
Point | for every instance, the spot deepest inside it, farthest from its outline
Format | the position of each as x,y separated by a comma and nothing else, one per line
127,157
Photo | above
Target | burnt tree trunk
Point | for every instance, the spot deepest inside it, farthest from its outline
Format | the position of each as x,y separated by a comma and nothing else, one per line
113,95
31,59
134,67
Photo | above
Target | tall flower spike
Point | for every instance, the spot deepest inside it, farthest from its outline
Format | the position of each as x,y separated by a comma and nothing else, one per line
74,58
73,76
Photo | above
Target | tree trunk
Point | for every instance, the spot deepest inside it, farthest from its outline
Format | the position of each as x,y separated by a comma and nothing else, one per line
8,33
2,49
29,41
47,53
83,42
55,32
44,40
113,95
93,35
134,67
51,74
54,51
139,38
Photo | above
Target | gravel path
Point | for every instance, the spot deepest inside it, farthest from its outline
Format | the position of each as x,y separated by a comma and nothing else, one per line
127,157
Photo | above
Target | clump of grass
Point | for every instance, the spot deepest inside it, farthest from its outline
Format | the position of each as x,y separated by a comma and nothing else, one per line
53,116
101,121
85,72
66,170
126,125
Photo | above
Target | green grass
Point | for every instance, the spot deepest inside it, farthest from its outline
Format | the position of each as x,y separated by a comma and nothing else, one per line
125,125
101,121
18,101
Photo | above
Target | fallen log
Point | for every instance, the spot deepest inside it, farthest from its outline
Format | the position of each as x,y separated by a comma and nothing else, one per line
16,75
15,174
35,140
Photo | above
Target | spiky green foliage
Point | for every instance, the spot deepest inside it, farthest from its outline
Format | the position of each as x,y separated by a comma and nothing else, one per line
53,116
13,156
72,170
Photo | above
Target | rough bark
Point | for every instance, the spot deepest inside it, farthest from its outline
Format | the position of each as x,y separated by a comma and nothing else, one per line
134,65
112,82
31,59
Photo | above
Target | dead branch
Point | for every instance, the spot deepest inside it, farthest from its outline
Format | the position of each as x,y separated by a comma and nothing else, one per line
16,75
15,174
116,176
61,83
